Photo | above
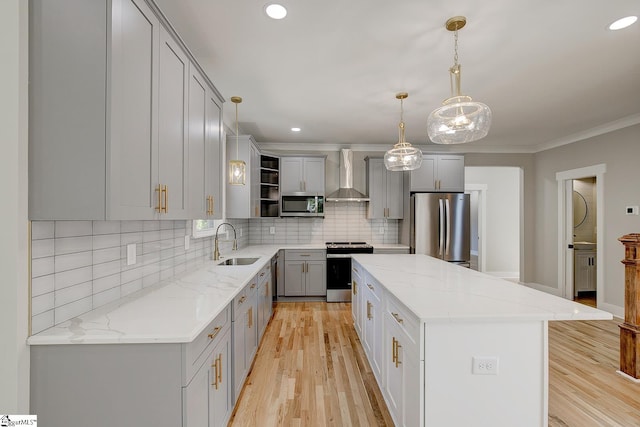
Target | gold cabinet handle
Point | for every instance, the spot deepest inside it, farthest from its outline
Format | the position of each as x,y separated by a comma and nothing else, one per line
242,299
370,286
355,288
219,373
393,350
397,353
213,206
356,270
369,316
250,314
262,274
253,285
159,191
215,332
165,193
395,316
215,375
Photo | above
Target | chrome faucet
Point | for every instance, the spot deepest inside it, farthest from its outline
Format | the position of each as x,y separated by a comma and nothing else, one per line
216,251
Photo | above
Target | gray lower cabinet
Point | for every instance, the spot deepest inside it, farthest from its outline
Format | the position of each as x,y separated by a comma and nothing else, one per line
109,136
265,299
245,337
305,273
165,385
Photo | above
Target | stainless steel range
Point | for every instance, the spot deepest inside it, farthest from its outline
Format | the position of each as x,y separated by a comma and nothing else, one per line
339,268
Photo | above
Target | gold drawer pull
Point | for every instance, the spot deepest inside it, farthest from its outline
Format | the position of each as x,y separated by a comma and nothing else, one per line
355,287
242,299
253,285
215,332
370,286
369,316
395,316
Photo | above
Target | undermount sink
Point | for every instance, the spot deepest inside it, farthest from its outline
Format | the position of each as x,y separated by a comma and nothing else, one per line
238,261
584,245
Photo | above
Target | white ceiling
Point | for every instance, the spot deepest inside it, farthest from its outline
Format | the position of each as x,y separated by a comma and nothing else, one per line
550,71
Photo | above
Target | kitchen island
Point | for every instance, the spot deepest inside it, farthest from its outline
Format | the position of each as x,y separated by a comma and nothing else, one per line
452,346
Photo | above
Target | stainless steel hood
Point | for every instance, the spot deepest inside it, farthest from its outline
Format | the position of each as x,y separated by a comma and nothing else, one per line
346,192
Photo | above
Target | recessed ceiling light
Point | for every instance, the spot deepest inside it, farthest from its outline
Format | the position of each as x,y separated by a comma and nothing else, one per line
275,11
623,22
295,129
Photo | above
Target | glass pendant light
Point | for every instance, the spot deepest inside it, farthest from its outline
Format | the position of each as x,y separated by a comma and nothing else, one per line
403,156
237,168
460,119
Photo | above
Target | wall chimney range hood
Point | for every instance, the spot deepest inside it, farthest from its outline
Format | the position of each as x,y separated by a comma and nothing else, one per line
346,192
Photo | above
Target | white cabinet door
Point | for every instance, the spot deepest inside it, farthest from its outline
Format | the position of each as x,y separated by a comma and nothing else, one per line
356,297
199,202
584,276
254,181
239,331
392,371
251,323
172,128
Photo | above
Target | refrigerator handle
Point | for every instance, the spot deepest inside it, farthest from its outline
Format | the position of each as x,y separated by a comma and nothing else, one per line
441,227
448,225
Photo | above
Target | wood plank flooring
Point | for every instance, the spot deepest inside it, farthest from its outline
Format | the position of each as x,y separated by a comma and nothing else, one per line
311,370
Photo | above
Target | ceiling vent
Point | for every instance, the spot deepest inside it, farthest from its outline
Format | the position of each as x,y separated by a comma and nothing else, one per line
346,192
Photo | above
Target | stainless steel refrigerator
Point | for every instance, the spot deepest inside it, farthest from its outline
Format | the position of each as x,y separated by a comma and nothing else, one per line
440,226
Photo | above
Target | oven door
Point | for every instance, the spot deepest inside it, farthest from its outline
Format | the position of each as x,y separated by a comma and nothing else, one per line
338,277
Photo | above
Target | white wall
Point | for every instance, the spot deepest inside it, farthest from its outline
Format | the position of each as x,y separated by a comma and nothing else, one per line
14,293
502,237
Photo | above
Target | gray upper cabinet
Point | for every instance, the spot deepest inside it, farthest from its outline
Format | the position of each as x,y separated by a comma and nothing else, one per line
439,172
385,190
109,135
243,201
302,175
204,150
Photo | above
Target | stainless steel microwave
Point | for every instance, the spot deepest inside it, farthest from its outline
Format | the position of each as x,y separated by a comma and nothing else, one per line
302,206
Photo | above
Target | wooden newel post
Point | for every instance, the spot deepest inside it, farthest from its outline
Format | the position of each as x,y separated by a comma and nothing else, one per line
630,329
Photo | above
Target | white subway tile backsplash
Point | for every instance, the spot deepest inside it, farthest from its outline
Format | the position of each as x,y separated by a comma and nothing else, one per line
42,266
72,261
131,287
42,230
106,241
42,321
131,275
107,282
73,244
106,227
42,248
42,303
76,308
73,228
153,225
105,255
73,277
72,293
102,298
42,285
106,269
128,238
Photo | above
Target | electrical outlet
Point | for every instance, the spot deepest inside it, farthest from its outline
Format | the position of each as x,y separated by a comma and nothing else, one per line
631,210
187,240
272,230
381,230
240,233
485,366
131,254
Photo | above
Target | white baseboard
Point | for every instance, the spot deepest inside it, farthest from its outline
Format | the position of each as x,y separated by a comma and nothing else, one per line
613,309
553,291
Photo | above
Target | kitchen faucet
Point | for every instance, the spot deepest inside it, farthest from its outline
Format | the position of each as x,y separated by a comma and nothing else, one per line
216,251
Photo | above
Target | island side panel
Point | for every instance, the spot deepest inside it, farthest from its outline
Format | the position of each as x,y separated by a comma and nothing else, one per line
107,385
517,395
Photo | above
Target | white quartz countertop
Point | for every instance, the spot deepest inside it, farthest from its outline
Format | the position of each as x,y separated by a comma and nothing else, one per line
173,311
436,290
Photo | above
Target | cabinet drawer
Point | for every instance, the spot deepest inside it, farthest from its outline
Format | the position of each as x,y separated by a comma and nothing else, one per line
197,349
374,288
243,298
404,319
264,274
312,255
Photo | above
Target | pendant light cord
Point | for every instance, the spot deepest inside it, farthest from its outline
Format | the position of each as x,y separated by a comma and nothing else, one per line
401,125
237,136
454,71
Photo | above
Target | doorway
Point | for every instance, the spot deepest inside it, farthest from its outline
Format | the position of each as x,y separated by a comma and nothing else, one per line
580,216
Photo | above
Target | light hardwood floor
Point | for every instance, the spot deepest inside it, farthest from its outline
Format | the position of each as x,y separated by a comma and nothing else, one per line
310,370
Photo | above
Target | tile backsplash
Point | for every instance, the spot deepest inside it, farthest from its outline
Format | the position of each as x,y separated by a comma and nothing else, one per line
342,222
77,266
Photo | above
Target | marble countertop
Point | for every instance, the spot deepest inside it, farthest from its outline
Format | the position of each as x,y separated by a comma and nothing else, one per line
435,290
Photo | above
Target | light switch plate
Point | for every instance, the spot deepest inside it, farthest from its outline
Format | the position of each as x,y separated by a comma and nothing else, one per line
187,240
131,254
272,230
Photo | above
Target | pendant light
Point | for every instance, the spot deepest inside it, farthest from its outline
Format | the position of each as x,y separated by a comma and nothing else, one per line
237,168
403,156
460,119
